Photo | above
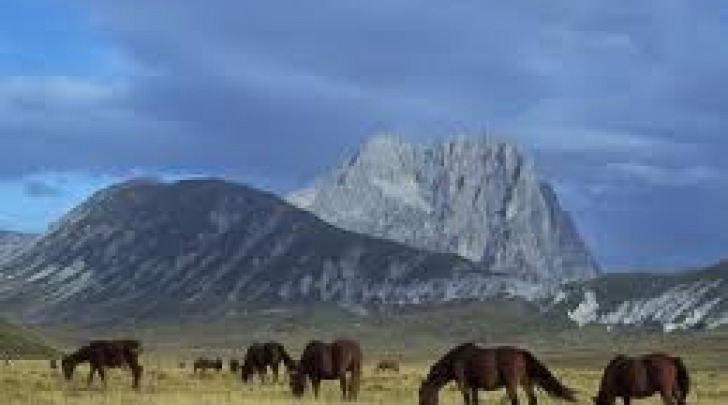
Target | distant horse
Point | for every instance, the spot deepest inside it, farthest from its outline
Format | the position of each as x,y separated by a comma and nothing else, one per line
102,354
476,368
387,364
340,360
642,377
53,364
259,357
234,365
203,364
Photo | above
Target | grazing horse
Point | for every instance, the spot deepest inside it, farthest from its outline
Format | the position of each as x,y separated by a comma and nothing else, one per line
476,368
102,354
203,364
642,377
340,360
234,365
388,364
273,355
253,362
259,357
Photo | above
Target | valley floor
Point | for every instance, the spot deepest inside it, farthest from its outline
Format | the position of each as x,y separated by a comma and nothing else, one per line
32,382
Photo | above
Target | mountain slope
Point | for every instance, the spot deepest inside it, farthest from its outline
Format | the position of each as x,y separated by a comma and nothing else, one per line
208,248
13,242
477,198
696,299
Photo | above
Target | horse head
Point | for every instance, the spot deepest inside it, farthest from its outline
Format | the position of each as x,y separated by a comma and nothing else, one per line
297,381
68,364
428,393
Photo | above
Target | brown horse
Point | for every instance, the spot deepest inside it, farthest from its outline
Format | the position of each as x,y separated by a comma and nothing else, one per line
102,354
476,368
388,364
260,357
340,360
642,377
203,364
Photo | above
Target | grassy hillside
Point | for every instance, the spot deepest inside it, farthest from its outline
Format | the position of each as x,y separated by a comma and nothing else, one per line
21,342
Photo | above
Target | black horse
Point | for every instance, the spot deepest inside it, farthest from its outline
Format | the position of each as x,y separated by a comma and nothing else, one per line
102,354
260,357
203,364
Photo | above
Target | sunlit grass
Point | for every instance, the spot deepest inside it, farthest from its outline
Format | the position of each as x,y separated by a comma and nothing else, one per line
32,382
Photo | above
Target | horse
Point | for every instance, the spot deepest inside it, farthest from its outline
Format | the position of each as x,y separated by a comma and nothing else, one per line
253,362
273,355
259,357
203,364
234,365
53,363
340,360
642,377
476,368
102,354
387,364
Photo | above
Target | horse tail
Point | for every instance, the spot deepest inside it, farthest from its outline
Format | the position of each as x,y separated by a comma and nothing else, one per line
543,377
683,379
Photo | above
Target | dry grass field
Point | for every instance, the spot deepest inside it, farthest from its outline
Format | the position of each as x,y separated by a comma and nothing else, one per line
32,382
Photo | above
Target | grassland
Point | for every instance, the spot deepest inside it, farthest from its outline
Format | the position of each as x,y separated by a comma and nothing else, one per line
576,359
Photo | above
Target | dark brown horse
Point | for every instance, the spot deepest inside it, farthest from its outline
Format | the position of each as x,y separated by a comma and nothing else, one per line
340,360
203,364
476,368
102,354
387,364
253,363
260,357
642,377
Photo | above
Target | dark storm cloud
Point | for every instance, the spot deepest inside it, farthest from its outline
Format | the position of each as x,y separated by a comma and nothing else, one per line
612,97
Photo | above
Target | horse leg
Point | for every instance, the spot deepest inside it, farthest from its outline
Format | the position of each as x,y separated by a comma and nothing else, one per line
274,367
354,383
512,392
344,384
667,397
92,370
136,374
627,400
530,393
102,374
474,396
315,386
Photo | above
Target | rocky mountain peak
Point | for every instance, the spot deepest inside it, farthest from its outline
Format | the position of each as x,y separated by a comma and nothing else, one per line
474,196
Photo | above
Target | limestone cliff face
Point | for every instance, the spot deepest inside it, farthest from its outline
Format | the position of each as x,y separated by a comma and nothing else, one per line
475,197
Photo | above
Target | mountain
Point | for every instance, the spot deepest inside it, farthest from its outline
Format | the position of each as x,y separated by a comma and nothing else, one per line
696,299
13,242
207,248
474,197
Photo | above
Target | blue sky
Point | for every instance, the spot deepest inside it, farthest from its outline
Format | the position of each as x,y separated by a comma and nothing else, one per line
622,104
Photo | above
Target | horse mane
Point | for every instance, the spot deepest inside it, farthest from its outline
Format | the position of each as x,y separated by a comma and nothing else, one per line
441,371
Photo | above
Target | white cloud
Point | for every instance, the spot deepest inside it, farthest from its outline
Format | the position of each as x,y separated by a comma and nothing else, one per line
665,176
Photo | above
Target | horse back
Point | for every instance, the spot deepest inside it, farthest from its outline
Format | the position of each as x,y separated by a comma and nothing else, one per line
346,355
